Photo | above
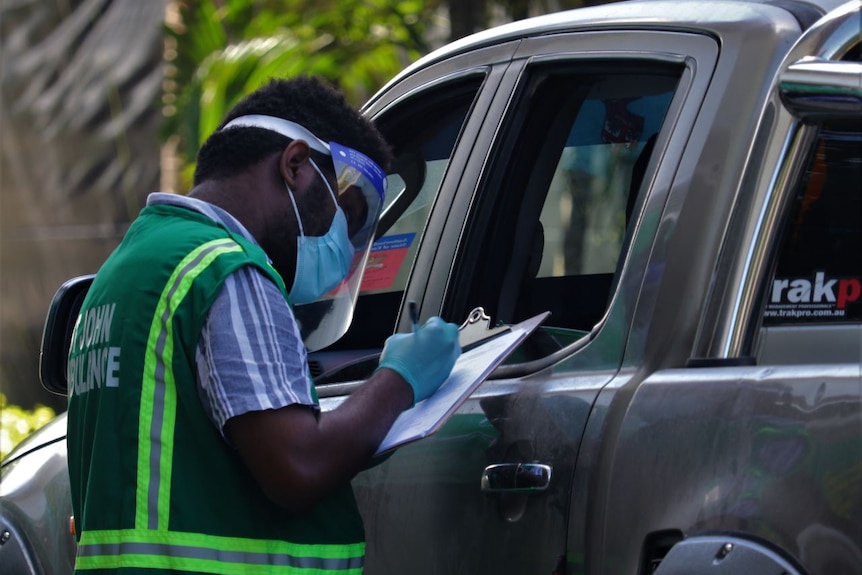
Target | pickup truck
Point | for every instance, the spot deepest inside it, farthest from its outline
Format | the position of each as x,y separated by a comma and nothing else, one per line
680,184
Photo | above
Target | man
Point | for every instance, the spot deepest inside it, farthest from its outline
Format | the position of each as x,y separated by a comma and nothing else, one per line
195,440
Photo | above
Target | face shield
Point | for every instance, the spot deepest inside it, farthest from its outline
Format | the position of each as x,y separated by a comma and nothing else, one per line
361,186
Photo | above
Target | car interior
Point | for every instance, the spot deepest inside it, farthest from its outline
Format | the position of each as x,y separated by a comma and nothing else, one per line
557,219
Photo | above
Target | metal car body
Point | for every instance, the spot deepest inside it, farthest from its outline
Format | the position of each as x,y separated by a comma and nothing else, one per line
679,183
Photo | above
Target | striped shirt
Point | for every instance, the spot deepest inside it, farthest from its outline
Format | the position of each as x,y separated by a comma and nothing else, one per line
250,356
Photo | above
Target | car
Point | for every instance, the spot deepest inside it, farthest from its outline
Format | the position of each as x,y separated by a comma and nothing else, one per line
680,185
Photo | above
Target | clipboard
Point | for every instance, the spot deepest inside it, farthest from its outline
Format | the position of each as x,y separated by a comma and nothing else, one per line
471,369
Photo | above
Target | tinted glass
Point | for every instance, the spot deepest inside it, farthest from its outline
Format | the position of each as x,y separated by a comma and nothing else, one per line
423,132
574,154
587,207
818,278
423,153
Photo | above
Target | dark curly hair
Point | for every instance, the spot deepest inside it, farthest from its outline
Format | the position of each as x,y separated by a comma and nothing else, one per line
305,100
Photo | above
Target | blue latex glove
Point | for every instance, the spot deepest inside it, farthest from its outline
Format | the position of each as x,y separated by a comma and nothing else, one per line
423,358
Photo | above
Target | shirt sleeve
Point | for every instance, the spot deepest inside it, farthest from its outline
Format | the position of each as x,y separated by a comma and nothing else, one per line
250,356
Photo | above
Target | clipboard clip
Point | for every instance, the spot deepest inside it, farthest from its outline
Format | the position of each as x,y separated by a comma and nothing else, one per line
477,328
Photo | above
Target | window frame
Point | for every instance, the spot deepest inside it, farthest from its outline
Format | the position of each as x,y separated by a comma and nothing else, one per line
696,55
338,368
535,137
809,342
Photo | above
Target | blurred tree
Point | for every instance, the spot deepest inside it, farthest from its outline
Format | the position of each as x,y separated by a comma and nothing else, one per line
78,151
469,16
103,101
220,50
17,423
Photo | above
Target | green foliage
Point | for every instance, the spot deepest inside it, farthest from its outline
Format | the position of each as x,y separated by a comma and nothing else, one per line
17,423
225,49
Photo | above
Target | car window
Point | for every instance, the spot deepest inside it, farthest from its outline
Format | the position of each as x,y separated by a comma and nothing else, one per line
422,155
423,132
587,208
818,277
554,219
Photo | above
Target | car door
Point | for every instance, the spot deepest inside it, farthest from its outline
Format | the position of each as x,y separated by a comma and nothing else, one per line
766,448
752,451
537,211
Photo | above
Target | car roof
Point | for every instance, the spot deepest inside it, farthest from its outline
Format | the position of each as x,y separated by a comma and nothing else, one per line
701,16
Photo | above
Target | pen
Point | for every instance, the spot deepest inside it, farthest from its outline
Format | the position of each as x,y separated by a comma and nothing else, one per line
414,314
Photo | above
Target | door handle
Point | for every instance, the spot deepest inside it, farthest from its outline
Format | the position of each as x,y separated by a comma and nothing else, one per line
518,477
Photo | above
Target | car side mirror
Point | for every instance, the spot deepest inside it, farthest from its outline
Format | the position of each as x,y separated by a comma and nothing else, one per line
57,334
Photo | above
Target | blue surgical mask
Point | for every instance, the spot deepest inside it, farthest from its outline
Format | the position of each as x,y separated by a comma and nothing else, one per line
321,261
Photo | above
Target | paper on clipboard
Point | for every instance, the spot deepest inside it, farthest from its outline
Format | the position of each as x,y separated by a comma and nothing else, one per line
471,369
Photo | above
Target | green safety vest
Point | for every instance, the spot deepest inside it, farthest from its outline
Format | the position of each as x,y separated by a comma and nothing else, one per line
154,485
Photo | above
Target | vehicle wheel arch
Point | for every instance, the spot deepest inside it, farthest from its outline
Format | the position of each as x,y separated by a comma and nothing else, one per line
722,553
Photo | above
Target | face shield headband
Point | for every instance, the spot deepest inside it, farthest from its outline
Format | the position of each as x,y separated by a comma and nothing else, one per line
361,183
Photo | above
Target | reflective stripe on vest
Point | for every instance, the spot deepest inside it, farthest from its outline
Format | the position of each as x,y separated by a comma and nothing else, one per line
150,545
143,548
159,393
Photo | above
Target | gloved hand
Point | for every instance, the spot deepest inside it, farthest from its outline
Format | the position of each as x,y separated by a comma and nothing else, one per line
423,358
